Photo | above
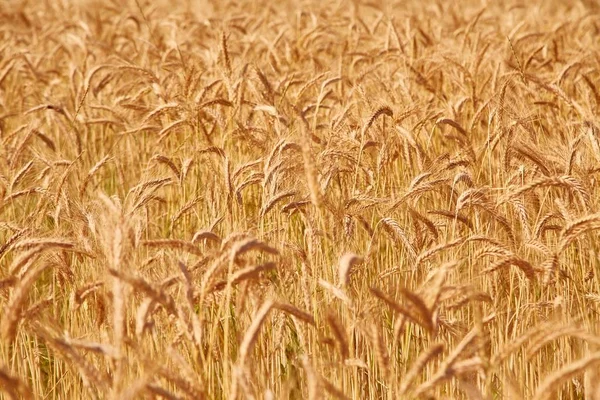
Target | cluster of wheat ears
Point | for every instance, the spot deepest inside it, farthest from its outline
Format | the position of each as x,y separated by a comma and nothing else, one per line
258,200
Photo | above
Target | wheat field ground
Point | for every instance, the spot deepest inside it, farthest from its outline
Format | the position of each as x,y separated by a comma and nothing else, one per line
299,199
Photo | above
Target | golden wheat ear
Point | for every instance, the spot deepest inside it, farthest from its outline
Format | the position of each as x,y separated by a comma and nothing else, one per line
248,199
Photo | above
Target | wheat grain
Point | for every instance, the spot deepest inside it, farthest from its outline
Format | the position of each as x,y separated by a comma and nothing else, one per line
346,263
576,228
13,386
290,138
546,389
13,309
91,173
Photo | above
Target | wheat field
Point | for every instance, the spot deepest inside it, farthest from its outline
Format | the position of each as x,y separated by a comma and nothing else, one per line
299,199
